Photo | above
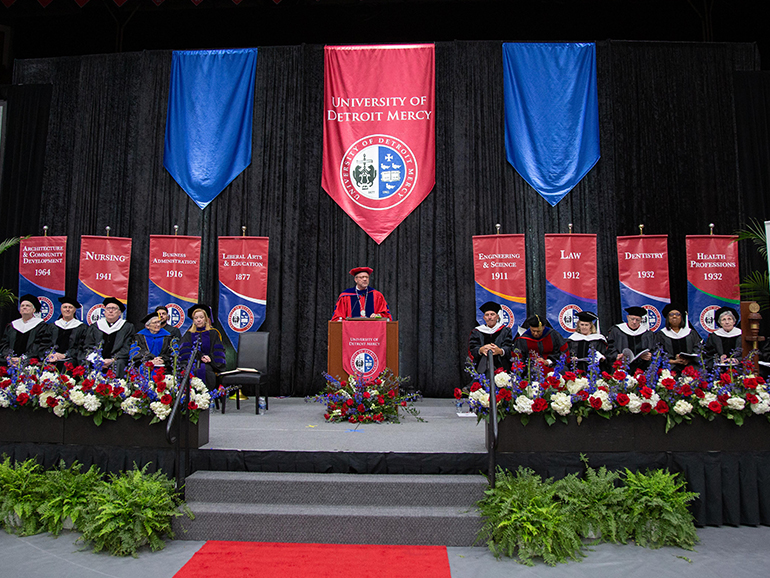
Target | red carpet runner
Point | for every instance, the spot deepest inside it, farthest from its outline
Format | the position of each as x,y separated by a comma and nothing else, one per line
273,560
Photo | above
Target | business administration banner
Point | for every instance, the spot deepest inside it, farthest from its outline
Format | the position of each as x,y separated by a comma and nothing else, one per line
643,273
43,271
712,278
174,274
570,279
242,284
500,271
379,147
364,347
105,263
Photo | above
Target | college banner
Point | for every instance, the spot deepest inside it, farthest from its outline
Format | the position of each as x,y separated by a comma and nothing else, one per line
712,278
42,272
379,143
174,273
105,263
364,347
242,284
643,272
500,272
570,279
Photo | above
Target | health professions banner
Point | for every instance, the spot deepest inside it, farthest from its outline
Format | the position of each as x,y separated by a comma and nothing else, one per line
379,132
104,266
712,278
570,279
364,347
499,267
174,273
42,272
242,284
643,272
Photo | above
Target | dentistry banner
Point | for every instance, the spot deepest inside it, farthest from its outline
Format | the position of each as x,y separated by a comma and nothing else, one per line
43,271
570,279
105,263
712,278
643,272
242,284
379,146
364,347
174,274
500,271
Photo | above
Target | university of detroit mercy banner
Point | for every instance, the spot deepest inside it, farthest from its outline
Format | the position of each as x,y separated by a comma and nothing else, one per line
105,263
499,267
42,272
242,284
364,348
643,272
712,279
174,274
379,132
570,279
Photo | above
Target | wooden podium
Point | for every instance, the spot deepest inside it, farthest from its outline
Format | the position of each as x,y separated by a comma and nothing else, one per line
334,352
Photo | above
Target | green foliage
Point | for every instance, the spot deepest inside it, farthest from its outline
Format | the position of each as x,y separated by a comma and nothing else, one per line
756,287
8,297
755,232
132,510
20,497
656,510
67,494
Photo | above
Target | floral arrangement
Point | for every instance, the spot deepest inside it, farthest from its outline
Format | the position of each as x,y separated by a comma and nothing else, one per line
87,390
560,391
359,400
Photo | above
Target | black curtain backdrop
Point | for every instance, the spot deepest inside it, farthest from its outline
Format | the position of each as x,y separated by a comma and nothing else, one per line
669,160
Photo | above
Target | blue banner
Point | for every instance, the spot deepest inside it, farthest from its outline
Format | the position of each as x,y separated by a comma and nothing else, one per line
177,307
209,119
238,313
50,308
513,312
551,114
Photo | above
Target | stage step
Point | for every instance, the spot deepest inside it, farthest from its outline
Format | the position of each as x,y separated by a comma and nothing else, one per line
332,508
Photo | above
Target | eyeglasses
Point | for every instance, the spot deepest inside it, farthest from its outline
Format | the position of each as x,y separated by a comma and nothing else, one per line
112,308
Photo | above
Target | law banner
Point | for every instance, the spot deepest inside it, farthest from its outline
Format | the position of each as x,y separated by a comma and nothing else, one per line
379,144
364,348
712,278
105,263
570,279
174,275
643,273
500,272
43,271
242,284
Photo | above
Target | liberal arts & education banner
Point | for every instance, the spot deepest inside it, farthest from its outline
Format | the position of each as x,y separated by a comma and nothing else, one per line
105,263
500,271
570,279
379,143
43,271
174,274
643,272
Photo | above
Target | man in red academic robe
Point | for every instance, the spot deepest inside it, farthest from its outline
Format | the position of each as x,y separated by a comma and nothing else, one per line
361,300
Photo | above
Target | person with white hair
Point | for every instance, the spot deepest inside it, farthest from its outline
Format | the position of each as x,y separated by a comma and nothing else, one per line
727,338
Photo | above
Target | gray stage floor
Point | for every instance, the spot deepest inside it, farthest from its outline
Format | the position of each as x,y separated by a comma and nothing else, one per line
292,424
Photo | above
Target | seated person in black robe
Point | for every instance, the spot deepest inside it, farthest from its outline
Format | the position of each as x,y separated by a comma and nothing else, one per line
28,336
68,334
162,312
115,335
632,338
540,342
154,343
206,343
492,336
720,345
681,342
586,337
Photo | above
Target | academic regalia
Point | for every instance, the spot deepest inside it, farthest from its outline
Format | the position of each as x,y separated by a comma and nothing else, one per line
69,337
32,339
721,343
116,340
686,341
173,331
351,301
621,337
152,345
550,345
580,346
210,344
482,335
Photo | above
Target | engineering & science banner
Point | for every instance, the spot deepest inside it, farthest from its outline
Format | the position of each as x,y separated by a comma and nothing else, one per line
500,272
105,263
174,274
43,272
643,273
570,279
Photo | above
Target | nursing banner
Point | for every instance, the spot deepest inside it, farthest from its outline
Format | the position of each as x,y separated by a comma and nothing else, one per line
379,147
242,284
499,267
105,263
364,348
174,274
643,272
570,279
712,278
43,271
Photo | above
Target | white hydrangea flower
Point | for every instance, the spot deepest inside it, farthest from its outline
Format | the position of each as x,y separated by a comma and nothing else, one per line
561,403
160,410
707,399
605,397
760,408
523,404
502,379
574,386
59,410
534,389
634,403
682,407
21,388
737,403
631,382
4,401
129,406
202,400
43,398
196,383
91,403
77,396
480,396
665,374
654,398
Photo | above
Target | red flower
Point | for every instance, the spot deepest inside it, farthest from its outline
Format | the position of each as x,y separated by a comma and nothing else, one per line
103,389
750,383
552,381
751,398
34,361
367,395
475,387
646,407
361,407
352,419
499,370
668,383
715,406
503,395
349,402
640,378
381,399
166,399
22,398
661,407
5,383
52,401
622,399
760,379
570,376
690,371
595,402
726,378
582,394
685,390
391,394
699,393
458,393
617,364
160,387
620,375
523,384
117,390
646,392
37,389
378,381
403,403
606,375
78,371
603,388
110,374
327,416
3,371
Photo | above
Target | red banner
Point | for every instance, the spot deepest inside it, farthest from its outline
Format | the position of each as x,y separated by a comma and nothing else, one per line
379,132
174,274
643,273
104,267
364,347
570,279
500,271
42,272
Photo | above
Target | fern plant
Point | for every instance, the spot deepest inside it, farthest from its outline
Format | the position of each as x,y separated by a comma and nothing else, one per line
20,496
67,494
755,286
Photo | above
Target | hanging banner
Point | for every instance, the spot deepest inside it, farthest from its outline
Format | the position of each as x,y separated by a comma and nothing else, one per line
500,271
570,279
379,132
174,274
712,278
104,267
242,284
364,347
43,272
643,273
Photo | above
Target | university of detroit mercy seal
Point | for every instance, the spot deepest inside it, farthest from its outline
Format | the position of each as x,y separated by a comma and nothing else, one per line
365,361
240,319
378,172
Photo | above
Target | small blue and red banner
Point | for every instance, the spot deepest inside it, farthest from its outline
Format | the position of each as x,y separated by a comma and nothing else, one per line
500,272
105,263
174,274
570,279
643,273
43,272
